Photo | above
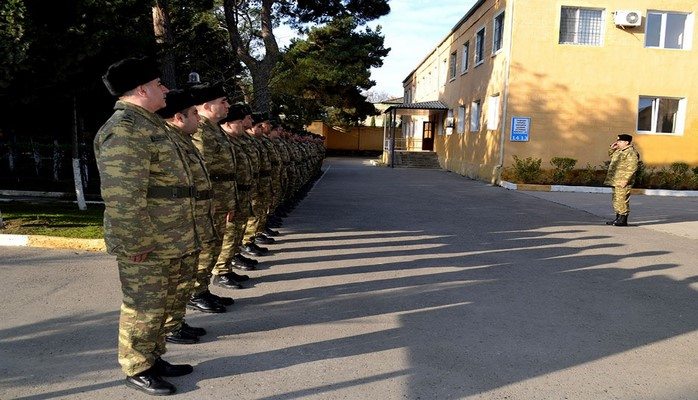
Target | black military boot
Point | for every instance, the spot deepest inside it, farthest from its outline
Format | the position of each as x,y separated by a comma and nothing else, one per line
621,221
614,221
226,282
150,383
193,330
205,304
261,238
245,260
180,336
224,301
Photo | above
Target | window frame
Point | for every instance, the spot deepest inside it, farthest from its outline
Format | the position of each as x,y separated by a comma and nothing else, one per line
460,122
479,53
679,124
498,33
475,111
688,28
465,55
576,33
493,104
452,68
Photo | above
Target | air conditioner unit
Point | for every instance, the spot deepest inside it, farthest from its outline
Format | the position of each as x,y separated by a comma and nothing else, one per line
627,18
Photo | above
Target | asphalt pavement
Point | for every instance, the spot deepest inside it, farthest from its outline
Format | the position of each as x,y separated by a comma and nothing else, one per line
397,284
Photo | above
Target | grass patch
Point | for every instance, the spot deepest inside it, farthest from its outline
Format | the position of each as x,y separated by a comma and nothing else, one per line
52,218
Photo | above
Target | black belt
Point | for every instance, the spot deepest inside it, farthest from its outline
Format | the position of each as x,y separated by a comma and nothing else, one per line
171,192
264,174
222,177
203,195
244,188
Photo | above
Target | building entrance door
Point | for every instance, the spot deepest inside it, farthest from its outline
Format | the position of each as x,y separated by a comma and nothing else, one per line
428,135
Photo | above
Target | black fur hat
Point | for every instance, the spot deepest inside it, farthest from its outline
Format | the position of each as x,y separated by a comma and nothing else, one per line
625,137
207,91
237,111
129,73
260,117
178,100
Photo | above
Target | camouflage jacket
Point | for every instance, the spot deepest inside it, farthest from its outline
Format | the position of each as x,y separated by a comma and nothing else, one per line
624,164
137,157
220,162
203,198
244,170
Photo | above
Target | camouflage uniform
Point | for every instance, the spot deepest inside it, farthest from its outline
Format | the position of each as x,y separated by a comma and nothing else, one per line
244,173
624,164
204,223
286,167
276,179
220,162
149,208
262,199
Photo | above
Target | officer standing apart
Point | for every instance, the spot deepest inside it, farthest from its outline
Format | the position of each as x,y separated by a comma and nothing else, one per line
148,219
621,175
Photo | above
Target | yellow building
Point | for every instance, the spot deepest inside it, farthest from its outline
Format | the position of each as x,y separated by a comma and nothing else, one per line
549,78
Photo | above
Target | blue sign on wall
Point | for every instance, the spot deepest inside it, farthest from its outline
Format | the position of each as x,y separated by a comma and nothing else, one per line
520,128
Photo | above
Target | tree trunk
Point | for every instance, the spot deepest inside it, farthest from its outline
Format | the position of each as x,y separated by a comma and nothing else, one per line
57,156
260,70
165,40
77,176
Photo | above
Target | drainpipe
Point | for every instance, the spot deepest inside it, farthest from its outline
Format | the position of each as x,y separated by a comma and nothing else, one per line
385,128
392,138
503,123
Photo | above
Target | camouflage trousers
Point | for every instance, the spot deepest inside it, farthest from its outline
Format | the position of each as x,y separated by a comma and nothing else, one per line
232,239
260,212
209,255
155,293
621,200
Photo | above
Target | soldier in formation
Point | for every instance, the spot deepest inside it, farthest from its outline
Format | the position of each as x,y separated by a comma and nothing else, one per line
192,186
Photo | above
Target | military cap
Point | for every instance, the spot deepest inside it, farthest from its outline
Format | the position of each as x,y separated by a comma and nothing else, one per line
260,117
178,100
207,92
236,112
625,137
129,73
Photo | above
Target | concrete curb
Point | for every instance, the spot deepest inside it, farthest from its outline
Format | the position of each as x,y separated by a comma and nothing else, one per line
594,189
53,242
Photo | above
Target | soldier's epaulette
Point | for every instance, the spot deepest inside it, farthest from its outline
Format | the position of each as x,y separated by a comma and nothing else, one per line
158,138
126,118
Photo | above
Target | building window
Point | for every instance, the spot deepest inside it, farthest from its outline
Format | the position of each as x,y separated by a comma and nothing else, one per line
493,112
661,115
452,66
498,33
480,46
465,58
581,26
475,116
461,119
449,122
444,71
667,30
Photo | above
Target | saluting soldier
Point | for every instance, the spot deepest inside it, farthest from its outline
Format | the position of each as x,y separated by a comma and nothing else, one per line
621,175
183,121
148,219
220,161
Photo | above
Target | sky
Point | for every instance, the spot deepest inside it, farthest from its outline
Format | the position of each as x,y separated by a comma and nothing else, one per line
412,29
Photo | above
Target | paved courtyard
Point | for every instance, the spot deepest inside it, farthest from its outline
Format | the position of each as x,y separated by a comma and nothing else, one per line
397,284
